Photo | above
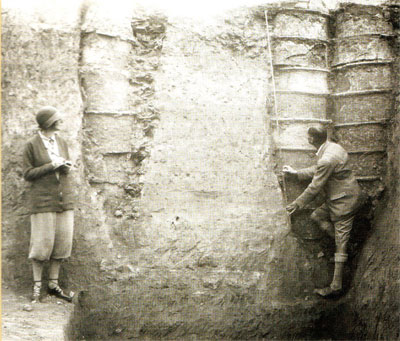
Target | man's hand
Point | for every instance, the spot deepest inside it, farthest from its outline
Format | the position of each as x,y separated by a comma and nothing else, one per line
292,207
289,170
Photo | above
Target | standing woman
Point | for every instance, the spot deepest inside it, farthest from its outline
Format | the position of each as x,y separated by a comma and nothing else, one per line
46,166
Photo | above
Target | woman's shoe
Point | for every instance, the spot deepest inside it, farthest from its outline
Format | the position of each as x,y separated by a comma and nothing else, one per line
58,292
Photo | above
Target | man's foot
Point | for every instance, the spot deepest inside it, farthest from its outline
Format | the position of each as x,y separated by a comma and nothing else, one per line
37,286
54,289
328,292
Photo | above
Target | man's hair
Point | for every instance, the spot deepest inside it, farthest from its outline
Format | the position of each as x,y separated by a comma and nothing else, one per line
319,134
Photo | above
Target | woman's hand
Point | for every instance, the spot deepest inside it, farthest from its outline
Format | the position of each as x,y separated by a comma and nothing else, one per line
58,162
67,165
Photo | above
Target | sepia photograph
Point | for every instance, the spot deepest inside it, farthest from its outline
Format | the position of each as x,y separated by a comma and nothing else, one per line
200,170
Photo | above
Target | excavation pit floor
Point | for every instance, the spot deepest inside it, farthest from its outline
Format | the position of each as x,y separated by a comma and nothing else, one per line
45,321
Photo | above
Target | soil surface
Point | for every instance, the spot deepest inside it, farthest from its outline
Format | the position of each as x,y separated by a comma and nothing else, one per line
45,321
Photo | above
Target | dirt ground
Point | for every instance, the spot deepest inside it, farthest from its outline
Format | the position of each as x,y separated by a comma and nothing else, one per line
45,321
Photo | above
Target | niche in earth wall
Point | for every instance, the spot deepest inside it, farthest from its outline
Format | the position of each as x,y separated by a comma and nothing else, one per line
301,67
118,60
350,81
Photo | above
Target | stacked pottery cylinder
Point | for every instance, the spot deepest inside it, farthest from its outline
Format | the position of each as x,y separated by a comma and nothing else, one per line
300,49
363,91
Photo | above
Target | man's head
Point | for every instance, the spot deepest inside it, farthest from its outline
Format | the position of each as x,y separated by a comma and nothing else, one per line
317,136
48,118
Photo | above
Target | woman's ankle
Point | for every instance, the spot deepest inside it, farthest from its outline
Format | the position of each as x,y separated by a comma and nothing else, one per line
53,283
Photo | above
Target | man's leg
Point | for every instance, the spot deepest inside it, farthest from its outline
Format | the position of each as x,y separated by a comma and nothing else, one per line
321,217
342,236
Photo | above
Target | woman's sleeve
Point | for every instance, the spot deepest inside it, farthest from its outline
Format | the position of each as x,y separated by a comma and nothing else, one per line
30,172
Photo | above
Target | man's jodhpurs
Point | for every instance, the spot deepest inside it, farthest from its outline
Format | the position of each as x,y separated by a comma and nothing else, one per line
342,230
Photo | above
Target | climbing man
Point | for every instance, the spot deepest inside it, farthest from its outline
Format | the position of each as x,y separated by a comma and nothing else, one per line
332,176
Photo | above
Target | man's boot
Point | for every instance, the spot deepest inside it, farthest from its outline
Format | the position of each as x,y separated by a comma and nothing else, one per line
335,289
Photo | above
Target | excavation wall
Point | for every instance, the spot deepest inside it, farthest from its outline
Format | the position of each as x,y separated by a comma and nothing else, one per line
181,230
